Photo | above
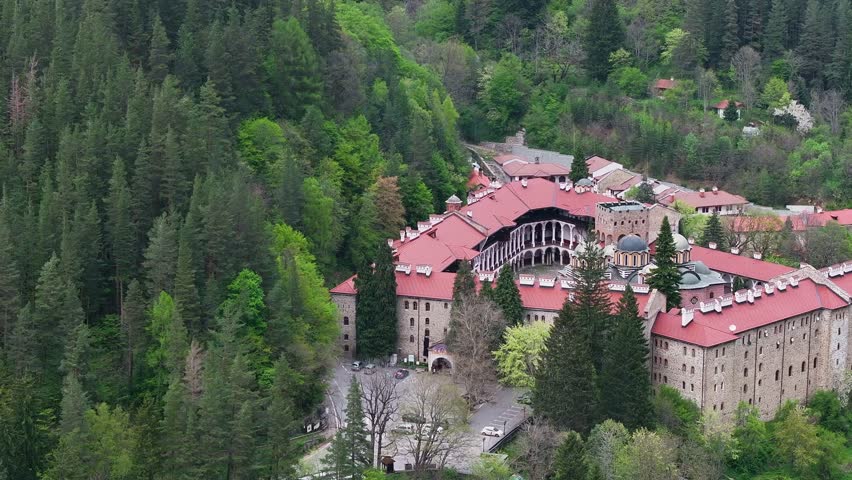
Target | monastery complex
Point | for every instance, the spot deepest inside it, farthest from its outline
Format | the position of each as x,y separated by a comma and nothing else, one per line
783,338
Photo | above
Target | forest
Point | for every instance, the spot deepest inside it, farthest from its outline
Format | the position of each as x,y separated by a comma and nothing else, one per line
183,180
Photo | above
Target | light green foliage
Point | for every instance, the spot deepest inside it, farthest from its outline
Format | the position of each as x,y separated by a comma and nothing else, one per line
519,355
604,443
262,145
679,415
775,94
631,81
648,456
358,154
673,40
505,92
435,19
691,223
166,354
490,467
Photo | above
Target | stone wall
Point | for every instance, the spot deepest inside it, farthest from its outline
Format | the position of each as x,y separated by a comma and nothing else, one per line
765,367
610,225
416,316
701,295
346,319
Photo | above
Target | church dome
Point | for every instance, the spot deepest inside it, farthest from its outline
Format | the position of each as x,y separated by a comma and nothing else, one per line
689,278
681,243
632,243
701,268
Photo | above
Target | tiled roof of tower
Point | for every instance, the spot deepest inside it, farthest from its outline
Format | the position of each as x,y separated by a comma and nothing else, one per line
478,179
346,287
714,328
742,266
552,298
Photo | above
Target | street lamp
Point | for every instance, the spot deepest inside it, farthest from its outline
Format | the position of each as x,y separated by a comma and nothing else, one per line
504,427
483,444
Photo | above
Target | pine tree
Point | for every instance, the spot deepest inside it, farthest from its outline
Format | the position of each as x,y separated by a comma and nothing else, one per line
293,69
666,277
775,38
161,255
508,297
133,322
9,277
840,69
815,43
159,53
731,112
464,284
605,35
730,39
625,379
170,343
186,279
579,167
570,462
57,311
713,232
22,348
121,236
280,455
376,306
350,451
175,185
565,390
591,300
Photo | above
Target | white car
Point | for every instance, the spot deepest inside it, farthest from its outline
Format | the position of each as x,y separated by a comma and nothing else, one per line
492,432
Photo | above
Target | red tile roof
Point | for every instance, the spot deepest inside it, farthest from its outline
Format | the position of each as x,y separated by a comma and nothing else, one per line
596,163
347,287
742,266
664,83
843,217
706,199
724,104
535,297
535,169
627,184
477,179
714,328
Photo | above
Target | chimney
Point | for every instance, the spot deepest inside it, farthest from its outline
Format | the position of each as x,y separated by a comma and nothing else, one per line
712,245
691,241
701,192
735,250
476,168
671,78
453,204
715,190
524,182
757,256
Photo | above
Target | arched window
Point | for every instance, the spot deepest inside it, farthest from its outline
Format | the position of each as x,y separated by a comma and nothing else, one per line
803,366
411,339
426,333
745,388
712,294
406,304
446,305
346,320
414,305
777,375
346,336
683,368
745,372
428,306
759,367
691,369
346,348
790,371
427,320
411,322
815,358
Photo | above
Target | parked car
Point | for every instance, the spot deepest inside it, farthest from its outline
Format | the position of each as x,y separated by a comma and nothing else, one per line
356,366
492,432
369,369
400,374
405,428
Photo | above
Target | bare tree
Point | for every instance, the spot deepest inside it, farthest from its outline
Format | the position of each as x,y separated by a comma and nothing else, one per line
707,84
476,328
746,63
441,432
511,29
381,404
641,42
477,15
829,107
537,449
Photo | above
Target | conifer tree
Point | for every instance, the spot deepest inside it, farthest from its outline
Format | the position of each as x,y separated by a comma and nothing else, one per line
376,305
293,69
133,322
464,284
570,462
815,42
121,237
730,38
57,311
508,297
9,277
591,300
565,390
22,347
350,451
840,69
280,454
167,352
666,277
159,53
579,167
605,35
713,232
625,380
161,255
186,287
775,37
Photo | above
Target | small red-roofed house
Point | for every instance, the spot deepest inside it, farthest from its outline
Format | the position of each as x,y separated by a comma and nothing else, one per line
661,85
721,106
